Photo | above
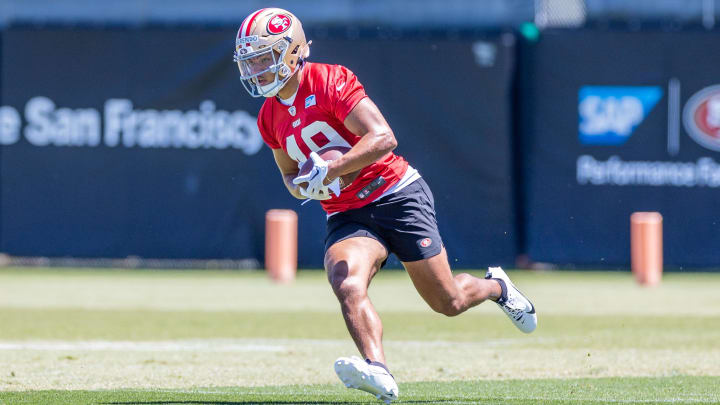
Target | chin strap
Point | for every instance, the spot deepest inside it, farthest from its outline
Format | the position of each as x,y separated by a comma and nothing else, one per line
273,92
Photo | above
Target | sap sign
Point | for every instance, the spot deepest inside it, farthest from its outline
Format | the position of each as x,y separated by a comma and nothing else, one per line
609,114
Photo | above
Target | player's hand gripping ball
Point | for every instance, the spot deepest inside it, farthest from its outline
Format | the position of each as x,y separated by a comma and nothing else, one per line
311,177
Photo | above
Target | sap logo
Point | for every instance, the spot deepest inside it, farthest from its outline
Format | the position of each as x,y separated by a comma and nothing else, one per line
609,114
702,117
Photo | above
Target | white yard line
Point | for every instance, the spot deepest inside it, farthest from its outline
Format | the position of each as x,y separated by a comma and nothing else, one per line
229,345
257,362
318,391
210,345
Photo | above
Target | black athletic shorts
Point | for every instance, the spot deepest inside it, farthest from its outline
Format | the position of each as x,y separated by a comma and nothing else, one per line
404,222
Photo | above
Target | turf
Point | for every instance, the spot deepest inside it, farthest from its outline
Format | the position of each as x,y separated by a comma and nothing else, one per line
204,337
695,390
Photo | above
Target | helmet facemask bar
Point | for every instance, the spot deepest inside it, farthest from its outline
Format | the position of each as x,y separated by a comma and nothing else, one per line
268,59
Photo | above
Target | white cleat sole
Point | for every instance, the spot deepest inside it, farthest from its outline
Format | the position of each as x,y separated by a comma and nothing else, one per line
356,373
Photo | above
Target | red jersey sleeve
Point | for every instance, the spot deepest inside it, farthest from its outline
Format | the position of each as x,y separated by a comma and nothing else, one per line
264,122
347,92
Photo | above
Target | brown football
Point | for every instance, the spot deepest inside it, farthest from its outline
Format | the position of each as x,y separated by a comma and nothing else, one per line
329,153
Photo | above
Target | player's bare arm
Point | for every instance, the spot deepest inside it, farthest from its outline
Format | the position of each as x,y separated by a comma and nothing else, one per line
377,139
289,170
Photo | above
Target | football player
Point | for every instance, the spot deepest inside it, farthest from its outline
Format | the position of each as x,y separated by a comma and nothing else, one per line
388,208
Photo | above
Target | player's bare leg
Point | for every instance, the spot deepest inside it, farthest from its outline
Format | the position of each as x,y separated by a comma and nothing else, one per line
447,294
350,265
453,295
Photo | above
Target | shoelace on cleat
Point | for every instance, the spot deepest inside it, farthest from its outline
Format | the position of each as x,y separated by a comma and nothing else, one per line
511,306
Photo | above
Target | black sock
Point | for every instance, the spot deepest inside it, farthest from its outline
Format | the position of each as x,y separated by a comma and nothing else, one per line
377,363
503,293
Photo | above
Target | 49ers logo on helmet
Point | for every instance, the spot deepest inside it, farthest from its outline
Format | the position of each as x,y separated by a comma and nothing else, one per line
702,117
278,24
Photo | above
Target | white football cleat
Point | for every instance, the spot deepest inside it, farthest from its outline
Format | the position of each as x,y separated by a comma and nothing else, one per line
356,373
515,304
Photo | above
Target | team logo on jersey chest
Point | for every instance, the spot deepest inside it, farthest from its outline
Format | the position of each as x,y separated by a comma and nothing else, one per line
296,123
278,24
292,111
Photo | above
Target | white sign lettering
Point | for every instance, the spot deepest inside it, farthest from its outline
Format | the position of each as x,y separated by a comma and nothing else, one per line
122,125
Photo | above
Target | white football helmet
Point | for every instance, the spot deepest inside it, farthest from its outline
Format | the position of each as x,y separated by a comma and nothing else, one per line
269,39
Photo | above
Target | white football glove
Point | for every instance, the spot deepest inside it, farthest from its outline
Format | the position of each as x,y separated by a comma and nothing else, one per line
316,180
322,194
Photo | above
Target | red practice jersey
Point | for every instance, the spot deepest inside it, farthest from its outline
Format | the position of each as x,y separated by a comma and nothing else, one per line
326,96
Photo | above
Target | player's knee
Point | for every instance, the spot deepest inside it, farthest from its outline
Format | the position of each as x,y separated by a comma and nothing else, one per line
345,286
349,290
449,306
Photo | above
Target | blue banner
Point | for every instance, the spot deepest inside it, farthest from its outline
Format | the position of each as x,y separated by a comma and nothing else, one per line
604,137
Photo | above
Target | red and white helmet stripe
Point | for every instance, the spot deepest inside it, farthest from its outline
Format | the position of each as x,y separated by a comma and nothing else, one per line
244,30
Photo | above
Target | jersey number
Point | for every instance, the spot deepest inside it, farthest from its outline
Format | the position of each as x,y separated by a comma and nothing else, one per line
307,134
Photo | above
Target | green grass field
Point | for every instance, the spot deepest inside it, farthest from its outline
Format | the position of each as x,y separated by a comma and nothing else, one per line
202,337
